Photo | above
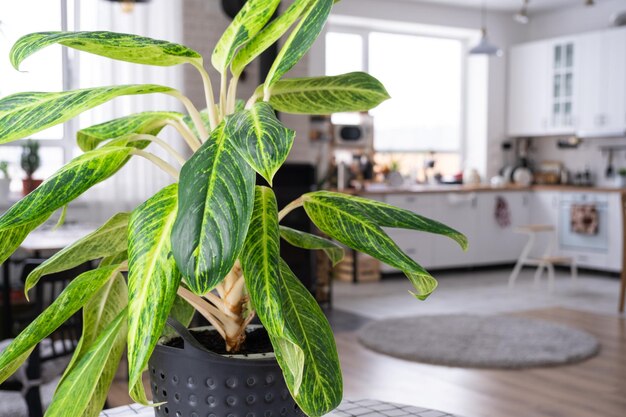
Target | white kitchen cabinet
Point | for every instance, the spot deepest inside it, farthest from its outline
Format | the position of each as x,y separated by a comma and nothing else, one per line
529,89
602,92
544,208
564,80
498,242
458,210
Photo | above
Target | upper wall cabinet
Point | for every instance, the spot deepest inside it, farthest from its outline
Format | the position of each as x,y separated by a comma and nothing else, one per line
529,86
602,95
574,85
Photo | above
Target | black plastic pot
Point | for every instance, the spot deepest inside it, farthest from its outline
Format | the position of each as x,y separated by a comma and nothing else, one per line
194,382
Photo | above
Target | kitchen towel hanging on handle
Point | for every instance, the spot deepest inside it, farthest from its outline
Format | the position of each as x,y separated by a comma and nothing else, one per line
584,219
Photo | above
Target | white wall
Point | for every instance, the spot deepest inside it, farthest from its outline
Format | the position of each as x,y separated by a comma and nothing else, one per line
482,150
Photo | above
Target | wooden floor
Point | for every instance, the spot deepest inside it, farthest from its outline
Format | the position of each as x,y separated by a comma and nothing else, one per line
595,388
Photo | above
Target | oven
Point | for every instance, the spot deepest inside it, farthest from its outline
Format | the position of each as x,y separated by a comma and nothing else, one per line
584,222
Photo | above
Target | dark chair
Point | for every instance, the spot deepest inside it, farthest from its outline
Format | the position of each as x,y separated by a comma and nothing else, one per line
52,355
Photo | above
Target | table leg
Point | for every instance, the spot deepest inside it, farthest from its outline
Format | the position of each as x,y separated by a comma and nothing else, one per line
355,267
7,316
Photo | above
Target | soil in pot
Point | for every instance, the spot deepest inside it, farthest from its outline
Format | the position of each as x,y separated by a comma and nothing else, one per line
193,382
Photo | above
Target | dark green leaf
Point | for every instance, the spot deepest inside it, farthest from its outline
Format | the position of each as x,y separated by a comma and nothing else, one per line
306,349
299,41
215,200
260,258
150,122
261,139
308,241
23,114
119,46
353,92
77,293
248,22
108,240
75,394
153,277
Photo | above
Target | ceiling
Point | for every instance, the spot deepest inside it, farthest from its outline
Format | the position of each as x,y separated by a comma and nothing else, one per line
509,5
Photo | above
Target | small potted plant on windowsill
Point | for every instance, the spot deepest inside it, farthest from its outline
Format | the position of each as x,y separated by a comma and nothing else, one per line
620,178
30,162
5,181
209,241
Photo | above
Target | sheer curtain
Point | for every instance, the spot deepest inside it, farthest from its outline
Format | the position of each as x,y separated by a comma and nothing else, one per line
160,19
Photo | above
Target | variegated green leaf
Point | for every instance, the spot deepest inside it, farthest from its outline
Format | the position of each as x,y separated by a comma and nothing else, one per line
248,22
11,237
306,350
65,185
204,116
300,40
150,122
77,293
153,277
23,114
100,311
74,395
308,241
356,91
385,215
107,240
261,139
119,46
268,36
259,260
215,200
351,223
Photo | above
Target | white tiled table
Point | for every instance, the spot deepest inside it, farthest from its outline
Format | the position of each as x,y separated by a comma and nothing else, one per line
348,408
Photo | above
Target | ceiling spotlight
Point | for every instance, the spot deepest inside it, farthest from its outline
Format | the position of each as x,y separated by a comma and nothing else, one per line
522,15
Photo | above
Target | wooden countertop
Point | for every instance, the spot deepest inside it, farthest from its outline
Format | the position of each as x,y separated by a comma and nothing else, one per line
434,189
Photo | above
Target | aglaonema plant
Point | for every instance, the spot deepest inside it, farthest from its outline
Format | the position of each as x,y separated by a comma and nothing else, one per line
209,242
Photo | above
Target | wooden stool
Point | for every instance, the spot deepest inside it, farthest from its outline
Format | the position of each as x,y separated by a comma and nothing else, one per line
546,261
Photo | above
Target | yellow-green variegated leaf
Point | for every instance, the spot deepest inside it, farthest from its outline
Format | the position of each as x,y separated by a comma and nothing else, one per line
308,241
300,40
215,200
77,293
153,277
11,237
268,36
357,223
23,114
119,46
74,395
150,122
260,258
352,92
107,240
247,23
261,139
204,117
65,185
305,349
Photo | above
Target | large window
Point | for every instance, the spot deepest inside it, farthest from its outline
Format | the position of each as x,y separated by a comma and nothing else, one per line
424,76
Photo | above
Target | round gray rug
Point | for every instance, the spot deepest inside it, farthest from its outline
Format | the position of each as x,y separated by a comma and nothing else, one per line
479,341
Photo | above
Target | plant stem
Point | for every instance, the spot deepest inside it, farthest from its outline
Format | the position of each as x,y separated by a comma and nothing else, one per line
204,308
190,138
166,146
208,94
219,303
290,207
157,161
232,95
193,112
252,100
223,93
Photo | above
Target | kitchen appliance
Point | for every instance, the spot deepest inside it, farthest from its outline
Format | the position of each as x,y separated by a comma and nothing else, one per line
571,236
359,135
